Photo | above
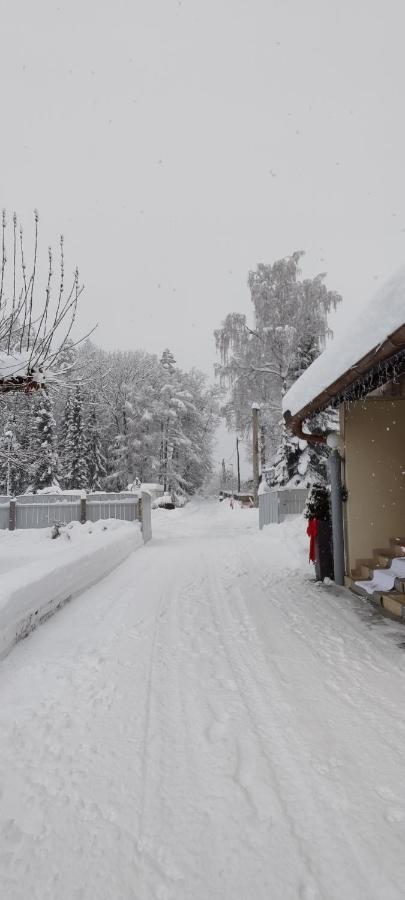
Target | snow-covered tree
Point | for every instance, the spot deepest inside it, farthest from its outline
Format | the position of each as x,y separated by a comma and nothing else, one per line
11,461
46,471
96,463
74,451
318,503
35,327
259,362
167,361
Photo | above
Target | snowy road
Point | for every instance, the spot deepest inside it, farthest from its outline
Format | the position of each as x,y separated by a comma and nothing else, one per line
203,727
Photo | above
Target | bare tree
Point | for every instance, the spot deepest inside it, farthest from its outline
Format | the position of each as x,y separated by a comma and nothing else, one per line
35,327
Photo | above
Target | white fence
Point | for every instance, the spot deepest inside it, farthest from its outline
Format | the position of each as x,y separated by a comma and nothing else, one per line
44,510
275,505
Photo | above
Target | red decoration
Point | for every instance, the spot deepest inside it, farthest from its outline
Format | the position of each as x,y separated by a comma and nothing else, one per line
312,532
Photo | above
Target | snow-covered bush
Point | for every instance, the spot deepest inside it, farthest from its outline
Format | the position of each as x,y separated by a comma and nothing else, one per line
318,503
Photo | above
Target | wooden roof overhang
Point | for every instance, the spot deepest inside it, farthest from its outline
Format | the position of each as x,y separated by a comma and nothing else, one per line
391,350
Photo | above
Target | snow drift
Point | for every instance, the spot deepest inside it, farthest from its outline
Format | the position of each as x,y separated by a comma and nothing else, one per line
82,556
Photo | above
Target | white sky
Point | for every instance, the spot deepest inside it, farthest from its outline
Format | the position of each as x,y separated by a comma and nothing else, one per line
177,143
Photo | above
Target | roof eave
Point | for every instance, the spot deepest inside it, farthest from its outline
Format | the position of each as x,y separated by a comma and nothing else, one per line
394,343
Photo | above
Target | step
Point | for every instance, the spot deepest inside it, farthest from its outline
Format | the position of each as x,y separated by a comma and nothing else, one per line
384,560
365,573
359,591
363,564
400,585
394,603
362,573
391,602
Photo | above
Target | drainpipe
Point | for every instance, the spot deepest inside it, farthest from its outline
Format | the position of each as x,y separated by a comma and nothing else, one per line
337,510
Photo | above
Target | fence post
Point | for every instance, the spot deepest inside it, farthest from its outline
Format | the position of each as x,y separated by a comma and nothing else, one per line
83,513
139,512
12,515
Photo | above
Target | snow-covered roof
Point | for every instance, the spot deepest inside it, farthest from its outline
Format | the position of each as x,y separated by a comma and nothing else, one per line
381,317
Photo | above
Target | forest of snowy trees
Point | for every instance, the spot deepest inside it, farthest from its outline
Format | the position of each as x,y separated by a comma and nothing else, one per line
260,361
121,416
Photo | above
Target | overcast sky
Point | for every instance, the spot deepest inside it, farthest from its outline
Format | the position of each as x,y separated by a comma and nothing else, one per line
177,143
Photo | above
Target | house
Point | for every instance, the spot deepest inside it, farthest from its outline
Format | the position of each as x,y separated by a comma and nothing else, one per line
362,374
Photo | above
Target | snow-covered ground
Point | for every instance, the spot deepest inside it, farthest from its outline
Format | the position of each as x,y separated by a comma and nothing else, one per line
206,724
39,574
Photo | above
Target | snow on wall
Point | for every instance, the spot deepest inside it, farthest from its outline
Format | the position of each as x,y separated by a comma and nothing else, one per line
31,593
384,314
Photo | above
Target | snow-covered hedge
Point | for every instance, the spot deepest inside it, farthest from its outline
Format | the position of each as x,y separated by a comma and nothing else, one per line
82,555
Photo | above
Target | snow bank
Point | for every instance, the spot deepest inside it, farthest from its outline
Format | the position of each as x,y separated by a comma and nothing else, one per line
37,585
383,315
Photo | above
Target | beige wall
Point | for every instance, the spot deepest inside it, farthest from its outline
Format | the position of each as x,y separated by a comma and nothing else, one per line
374,471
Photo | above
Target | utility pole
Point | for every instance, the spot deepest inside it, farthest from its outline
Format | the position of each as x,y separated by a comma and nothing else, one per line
255,438
238,459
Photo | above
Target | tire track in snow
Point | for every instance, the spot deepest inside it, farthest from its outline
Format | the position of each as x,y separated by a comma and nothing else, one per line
356,758
265,702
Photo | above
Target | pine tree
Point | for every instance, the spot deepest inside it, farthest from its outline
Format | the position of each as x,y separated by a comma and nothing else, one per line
46,469
117,477
96,462
168,361
75,462
10,461
286,460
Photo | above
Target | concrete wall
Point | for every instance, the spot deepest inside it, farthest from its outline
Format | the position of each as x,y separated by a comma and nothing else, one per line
374,471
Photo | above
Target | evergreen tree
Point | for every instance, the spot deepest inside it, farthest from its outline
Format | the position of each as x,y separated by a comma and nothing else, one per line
286,460
117,478
168,361
11,463
96,462
318,503
75,462
46,469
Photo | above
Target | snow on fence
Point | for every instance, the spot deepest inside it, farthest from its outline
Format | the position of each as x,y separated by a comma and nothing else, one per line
44,510
275,505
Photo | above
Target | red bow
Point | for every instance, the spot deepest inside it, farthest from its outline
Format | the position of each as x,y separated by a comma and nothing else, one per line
312,532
